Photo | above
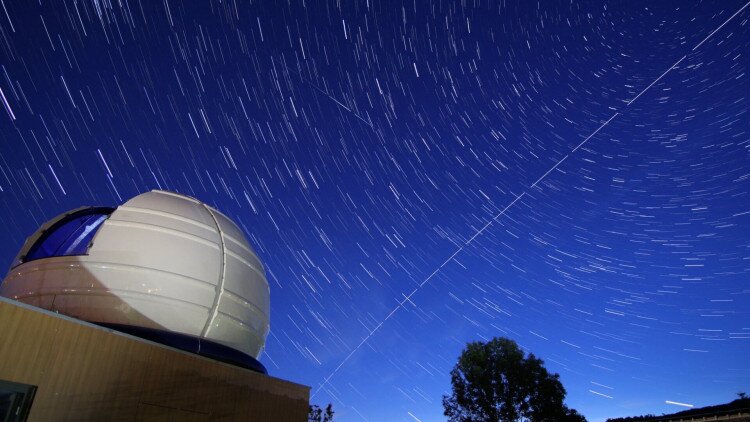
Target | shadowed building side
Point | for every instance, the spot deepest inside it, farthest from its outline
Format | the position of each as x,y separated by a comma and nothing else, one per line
82,372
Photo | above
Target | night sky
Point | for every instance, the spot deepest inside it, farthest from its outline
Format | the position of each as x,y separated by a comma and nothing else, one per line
415,175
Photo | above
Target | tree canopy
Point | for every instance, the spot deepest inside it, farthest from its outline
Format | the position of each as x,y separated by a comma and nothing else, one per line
496,381
316,414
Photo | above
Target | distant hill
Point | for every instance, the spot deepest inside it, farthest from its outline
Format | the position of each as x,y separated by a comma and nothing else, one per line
720,409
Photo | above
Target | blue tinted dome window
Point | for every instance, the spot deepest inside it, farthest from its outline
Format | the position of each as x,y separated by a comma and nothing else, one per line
71,235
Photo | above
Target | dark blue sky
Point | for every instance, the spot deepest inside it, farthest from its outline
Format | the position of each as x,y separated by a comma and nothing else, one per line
362,144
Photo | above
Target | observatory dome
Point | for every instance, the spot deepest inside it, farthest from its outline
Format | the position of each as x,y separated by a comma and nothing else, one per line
162,262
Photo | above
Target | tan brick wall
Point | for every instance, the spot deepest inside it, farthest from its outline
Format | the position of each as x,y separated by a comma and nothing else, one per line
84,372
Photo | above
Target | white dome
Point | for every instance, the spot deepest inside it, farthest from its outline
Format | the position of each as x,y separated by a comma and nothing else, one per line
161,260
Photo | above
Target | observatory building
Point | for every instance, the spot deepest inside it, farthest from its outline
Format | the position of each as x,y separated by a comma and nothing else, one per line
157,309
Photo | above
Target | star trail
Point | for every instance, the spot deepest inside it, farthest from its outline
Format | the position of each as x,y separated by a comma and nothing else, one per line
416,175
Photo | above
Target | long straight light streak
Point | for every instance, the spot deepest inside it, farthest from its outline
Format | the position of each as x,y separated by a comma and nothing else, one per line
676,403
501,213
416,289
657,79
721,26
337,102
331,97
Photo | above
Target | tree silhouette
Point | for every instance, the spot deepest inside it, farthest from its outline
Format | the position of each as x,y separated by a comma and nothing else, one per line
495,381
316,414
